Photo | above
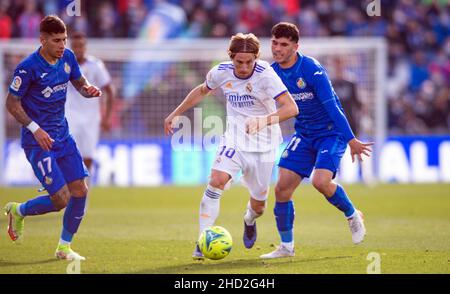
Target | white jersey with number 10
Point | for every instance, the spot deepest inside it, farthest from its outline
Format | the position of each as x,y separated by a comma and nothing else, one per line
251,97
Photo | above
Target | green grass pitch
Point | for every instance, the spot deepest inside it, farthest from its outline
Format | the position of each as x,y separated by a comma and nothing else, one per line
153,230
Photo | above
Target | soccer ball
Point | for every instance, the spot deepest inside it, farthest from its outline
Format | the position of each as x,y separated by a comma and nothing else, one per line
215,242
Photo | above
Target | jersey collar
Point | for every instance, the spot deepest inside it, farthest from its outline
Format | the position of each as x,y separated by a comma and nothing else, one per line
43,61
296,64
254,67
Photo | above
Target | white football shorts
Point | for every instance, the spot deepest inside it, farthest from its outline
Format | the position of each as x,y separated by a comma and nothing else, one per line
256,169
86,136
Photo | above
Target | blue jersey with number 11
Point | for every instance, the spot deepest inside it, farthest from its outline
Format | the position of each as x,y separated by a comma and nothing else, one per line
320,112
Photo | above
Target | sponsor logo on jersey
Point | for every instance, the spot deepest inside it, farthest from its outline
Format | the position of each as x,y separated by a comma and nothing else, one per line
301,83
66,68
303,96
22,71
240,101
285,154
16,83
229,85
43,75
47,92
249,88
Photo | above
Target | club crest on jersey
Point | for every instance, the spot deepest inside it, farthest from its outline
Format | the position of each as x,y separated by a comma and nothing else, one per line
249,88
66,68
16,83
301,83
48,180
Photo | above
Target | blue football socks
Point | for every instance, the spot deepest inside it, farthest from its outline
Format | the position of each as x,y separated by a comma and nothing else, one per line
72,217
285,215
39,205
342,202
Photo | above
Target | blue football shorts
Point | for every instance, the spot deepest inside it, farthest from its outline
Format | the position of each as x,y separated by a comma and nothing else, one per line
303,154
62,164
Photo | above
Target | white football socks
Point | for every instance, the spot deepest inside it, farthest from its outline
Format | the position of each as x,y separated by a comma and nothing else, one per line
209,207
288,245
250,215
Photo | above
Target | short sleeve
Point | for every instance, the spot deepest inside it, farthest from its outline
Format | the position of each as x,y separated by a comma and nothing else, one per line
75,73
273,84
21,81
212,78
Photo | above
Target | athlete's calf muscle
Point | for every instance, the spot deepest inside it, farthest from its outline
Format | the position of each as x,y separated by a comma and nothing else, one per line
61,198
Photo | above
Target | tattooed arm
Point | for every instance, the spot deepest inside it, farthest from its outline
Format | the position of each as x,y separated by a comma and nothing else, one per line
14,106
86,89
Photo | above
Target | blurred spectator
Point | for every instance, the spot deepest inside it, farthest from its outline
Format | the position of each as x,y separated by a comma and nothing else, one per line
417,34
134,17
252,18
105,21
6,24
29,20
419,70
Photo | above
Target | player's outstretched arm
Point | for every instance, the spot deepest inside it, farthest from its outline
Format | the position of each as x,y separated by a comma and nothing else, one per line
287,109
192,99
15,108
86,89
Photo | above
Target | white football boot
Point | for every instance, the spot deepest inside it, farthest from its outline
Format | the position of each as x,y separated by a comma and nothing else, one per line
356,224
65,252
280,252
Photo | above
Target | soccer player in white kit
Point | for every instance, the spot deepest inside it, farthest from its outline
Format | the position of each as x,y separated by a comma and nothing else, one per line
84,115
252,136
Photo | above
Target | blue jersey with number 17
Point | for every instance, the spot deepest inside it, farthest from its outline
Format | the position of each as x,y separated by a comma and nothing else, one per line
42,88
320,112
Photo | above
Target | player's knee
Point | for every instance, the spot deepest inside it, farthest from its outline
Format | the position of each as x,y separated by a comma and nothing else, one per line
259,209
321,183
258,206
79,189
283,192
217,182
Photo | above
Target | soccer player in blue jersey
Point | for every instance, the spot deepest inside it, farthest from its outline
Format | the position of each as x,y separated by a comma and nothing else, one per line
36,99
321,137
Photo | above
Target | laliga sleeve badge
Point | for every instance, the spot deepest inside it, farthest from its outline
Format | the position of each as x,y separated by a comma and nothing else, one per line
16,83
